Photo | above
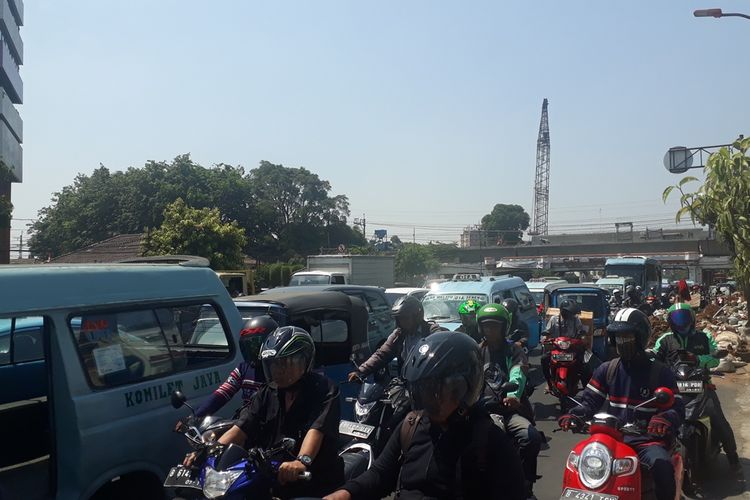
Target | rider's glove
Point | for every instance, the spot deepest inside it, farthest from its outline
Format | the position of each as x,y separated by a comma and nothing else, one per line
659,425
568,421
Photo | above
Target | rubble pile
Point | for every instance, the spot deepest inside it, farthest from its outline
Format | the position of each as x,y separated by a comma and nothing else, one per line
727,322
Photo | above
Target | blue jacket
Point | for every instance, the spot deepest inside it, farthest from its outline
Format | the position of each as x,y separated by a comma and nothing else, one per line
631,387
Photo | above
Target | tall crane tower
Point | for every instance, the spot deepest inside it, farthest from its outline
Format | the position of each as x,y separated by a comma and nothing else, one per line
541,183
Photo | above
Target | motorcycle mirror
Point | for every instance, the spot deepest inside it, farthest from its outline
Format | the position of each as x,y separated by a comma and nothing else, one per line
509,387
288,444
664,397
178,400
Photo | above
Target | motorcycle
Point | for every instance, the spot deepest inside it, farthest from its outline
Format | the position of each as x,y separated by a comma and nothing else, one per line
374,409
604,467
701,445
228,472
565,367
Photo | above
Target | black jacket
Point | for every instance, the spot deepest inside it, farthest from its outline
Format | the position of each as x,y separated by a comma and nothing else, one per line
430,468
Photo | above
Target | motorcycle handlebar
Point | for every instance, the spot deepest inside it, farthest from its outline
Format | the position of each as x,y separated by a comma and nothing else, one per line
305,476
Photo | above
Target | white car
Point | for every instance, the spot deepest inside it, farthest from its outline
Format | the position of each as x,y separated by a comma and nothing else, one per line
393,294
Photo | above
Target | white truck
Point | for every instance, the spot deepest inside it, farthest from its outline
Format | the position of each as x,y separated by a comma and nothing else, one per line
372,270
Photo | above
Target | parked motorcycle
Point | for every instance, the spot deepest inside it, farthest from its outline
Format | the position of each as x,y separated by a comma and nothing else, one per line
565,367
604,467
701,445
222,471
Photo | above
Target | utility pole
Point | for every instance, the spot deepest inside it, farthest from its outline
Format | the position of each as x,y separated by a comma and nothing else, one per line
362,222
541,182
20,246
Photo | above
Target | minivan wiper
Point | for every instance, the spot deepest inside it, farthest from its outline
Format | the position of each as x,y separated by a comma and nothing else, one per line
439,317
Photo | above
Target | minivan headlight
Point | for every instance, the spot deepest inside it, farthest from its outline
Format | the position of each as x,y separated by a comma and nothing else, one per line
594,465
217,483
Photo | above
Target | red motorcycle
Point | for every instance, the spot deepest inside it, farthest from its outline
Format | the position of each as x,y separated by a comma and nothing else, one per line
603,467
566,354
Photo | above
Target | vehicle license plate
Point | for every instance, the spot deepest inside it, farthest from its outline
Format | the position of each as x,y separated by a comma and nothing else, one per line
355,429
690,386
586,495
181,477
564,356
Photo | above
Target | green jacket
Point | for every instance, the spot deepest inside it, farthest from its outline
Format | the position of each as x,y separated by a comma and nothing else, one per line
701,344
516,366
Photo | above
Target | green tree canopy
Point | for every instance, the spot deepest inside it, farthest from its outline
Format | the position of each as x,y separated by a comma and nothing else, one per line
506,223
723,201
198,231
414,262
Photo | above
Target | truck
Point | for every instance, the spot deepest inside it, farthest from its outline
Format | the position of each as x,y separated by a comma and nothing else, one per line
372,270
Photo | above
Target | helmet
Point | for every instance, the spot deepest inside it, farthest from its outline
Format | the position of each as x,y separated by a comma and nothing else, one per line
469,307
630,321
570,306
681,318
629,289
511,305
287,354
444,361
252,335
407,306
639,288
616,291
496,313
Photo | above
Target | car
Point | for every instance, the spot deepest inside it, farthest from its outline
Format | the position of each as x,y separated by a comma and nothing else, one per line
441,303
393,294
538,287
98,364
380,323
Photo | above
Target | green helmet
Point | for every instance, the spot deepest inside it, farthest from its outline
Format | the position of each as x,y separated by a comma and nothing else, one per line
494,312
471,306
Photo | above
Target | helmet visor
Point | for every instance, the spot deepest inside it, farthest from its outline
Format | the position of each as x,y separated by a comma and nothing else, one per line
286,371
431,394
250,346
681,320
494,327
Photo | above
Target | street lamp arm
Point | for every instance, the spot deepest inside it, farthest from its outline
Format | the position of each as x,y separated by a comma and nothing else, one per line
734,14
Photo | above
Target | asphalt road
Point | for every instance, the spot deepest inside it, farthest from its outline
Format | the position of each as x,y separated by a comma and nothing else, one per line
722,485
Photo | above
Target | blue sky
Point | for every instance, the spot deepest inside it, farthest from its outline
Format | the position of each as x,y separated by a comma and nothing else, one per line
424,113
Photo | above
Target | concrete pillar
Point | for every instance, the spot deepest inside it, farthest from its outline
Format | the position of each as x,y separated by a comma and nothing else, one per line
5,227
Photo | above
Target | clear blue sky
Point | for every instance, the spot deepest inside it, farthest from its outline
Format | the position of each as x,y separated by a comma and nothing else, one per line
422,112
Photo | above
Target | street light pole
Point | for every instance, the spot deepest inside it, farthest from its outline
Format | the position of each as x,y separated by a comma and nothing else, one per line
717,13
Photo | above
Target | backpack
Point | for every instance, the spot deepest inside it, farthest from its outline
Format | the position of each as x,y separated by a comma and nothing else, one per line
480,429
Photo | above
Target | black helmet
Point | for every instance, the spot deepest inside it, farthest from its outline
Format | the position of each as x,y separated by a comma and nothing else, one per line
252,335
630,320
288,353
511,305
444,360
629,289
407,306
569,305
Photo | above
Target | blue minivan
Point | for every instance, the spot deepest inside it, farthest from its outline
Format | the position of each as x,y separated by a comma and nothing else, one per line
441,303
589,298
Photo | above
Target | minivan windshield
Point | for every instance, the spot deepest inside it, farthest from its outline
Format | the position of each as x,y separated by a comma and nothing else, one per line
444,307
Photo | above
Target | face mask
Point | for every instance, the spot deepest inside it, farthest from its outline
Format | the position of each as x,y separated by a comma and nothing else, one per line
626,347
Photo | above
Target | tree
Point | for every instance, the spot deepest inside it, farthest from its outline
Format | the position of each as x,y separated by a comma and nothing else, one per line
723,201
198,231
506,223
415,261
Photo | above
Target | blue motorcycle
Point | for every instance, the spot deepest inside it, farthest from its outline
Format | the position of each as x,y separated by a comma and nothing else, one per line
227,472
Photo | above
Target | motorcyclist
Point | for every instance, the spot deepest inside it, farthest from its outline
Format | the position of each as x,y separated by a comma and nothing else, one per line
684,336
505,361
616,300
627,381
519,330
246,377
565,324
632,297
467,311
410,327
449,448
295,403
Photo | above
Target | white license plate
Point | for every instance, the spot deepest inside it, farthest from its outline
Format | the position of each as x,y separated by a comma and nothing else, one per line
180,477
690,386
565,356
586,495
355,429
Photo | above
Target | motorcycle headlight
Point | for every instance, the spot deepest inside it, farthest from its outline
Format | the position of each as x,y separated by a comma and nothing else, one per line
624,466
594,465
361,410
563,344
217,483
573,461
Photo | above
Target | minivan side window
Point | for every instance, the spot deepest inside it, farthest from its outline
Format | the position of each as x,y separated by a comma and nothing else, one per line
128,346
21,339
524,298
378,304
